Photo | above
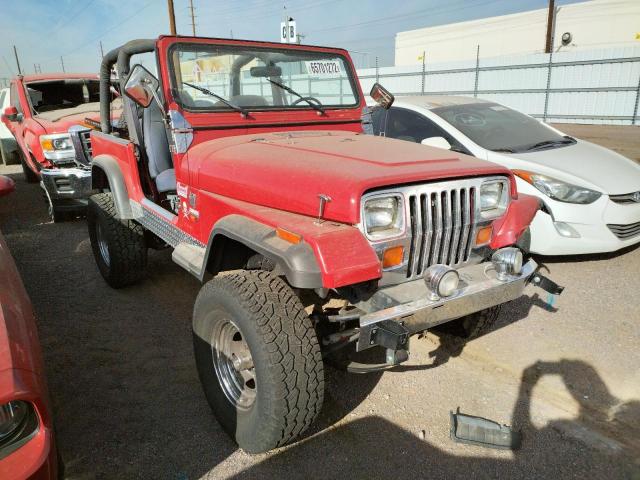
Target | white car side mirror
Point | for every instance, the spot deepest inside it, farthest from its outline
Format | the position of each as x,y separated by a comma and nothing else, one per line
438,142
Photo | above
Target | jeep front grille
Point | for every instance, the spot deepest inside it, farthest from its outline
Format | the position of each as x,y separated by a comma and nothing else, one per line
442,223
441,228
625,232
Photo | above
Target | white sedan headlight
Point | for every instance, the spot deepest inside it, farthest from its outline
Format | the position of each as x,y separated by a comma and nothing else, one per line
494,198
57,146
383,217
559,190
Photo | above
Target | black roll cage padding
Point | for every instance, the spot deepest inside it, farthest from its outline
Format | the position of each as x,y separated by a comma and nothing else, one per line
121,55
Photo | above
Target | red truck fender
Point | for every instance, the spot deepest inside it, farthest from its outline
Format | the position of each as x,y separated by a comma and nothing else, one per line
508,229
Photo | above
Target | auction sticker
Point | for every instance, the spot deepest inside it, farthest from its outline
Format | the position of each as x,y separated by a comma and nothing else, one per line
323,67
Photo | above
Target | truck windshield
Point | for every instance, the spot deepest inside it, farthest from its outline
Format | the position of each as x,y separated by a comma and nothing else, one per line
501,129
253,78
50,95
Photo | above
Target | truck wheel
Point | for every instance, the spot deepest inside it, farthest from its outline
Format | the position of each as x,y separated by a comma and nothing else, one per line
29,175
118,246
258,359
471,326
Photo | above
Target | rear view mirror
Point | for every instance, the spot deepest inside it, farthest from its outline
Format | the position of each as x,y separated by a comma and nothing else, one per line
141,86
6,186
11,113
268,71
438,142
382,96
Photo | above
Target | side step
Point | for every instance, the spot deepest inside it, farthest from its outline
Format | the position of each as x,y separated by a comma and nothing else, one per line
190,257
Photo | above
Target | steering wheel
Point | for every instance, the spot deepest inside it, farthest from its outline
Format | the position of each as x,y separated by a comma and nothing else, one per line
302,99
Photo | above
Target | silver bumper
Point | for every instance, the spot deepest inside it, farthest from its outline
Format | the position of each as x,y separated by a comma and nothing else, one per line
409,302
66,183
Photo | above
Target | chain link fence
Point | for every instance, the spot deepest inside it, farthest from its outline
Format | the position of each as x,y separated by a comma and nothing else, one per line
579,87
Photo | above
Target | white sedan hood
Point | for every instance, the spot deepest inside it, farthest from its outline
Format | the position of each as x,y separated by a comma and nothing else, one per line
608,171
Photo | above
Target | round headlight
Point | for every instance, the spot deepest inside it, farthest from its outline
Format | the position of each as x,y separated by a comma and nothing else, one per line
441,280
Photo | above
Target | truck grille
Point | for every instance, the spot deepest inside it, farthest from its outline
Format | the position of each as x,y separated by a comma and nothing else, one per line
624,232
442,222
85,140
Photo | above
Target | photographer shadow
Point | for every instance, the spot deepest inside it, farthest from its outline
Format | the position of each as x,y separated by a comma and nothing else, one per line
374,447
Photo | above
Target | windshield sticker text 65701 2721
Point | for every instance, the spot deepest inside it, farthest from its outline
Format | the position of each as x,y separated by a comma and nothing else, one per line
323,67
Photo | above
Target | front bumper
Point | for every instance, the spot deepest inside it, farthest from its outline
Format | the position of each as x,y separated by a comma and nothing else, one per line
409,303
594,237
66,183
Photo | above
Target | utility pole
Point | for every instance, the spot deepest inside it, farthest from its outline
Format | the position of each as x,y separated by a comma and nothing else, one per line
550,21
62,63
101,50
193,18
172,17
15,51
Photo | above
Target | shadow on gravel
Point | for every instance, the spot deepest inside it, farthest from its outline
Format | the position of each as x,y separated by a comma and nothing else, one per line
373,447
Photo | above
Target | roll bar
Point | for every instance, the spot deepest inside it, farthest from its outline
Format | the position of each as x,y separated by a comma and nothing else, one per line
121,56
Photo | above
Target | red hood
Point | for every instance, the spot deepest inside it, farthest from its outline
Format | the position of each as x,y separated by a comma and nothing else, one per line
288,170
19,345
62,125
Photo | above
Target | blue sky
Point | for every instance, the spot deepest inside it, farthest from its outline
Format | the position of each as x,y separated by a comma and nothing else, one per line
44,30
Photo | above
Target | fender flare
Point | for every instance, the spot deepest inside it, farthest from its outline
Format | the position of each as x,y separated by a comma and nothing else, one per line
297,262
111,169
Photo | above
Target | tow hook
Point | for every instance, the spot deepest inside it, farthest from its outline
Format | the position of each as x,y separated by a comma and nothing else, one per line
546,284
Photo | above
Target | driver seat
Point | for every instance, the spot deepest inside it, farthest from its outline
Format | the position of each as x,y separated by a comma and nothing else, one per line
156,145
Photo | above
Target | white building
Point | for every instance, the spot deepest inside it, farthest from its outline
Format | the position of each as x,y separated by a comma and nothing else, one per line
592,24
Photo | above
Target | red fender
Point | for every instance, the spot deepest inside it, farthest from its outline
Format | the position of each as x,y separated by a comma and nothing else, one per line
508,229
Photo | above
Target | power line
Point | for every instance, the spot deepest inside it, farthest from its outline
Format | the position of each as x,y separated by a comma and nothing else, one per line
193,21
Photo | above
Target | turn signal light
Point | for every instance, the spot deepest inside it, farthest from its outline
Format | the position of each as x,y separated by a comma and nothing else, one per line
392,257
484,235
288,236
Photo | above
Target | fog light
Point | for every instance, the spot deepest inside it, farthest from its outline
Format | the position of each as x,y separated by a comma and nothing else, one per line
566,230
442,281
507,262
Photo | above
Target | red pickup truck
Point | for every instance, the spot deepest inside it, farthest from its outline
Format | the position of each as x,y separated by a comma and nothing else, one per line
27,444
50,117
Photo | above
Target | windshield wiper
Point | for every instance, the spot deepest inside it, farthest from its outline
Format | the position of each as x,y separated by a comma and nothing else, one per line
243,111
293,92
548,143
505,150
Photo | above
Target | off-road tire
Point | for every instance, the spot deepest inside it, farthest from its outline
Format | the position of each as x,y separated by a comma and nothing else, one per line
29,175
286,356
124,241
471,326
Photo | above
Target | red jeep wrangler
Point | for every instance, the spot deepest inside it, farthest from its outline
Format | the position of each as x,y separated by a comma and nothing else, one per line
50,116
247,159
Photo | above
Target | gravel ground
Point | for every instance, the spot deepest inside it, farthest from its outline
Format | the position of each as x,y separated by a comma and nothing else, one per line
128,404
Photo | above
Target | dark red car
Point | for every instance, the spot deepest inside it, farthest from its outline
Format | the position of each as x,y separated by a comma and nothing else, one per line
27,445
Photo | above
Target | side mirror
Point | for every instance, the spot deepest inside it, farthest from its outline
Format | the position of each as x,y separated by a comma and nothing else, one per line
6,186
438,142
382,96
11,113
141,86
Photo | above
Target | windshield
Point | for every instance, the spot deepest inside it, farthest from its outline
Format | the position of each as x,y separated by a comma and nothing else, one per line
49,95
498,128
223,77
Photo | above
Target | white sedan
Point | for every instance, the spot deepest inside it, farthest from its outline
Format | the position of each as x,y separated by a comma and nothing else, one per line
590,195
8,145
